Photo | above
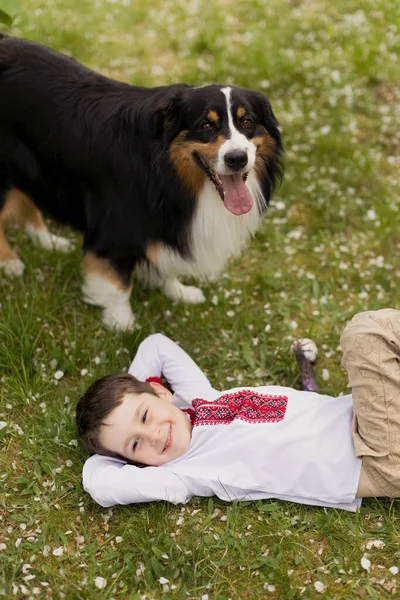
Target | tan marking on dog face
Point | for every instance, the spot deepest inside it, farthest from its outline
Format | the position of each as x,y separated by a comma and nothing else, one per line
266,147
181,153
152,253
213,116
19,208
102,268
241,111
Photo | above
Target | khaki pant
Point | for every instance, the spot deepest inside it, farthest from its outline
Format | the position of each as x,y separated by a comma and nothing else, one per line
371,356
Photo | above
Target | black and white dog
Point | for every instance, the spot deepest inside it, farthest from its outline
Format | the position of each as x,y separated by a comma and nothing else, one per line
167,181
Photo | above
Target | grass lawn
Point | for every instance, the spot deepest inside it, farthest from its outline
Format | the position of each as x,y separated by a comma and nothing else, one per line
329,247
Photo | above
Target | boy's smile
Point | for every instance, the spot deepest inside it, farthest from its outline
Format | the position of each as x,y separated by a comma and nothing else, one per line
146,428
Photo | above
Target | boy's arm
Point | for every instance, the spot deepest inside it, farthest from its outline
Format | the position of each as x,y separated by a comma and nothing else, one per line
110,481
158,355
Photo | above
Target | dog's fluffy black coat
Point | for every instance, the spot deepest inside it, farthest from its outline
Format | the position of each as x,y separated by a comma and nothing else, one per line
95,153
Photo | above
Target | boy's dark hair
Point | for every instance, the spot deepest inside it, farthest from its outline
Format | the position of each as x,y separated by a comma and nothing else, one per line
98,401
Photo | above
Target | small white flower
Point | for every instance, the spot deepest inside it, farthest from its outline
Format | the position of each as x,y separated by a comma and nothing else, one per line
319,586
230,313
3,547
100,582
325,129
118,539
3,424
325,374
365,563
58,375
374,543
58,551
53,363
84,372
293,324
267,328
394,570
163,580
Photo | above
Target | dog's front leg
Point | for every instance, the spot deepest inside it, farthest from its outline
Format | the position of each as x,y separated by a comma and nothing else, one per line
107,286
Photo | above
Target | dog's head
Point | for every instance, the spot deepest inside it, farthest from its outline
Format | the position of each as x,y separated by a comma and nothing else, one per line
222,133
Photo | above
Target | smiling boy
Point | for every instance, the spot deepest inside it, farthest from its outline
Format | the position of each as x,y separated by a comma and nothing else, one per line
144,426
246,443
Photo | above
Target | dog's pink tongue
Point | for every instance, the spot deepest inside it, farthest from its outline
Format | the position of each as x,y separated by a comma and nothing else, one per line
238,199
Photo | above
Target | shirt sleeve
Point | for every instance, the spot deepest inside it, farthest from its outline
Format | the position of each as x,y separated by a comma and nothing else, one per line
110,481
158,355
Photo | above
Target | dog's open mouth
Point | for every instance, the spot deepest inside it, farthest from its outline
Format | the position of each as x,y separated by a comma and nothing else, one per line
231,188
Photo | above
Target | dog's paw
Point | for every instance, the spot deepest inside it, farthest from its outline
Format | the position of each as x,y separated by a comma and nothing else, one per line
175,290
192,295
119,318
47,240
13,267
59,243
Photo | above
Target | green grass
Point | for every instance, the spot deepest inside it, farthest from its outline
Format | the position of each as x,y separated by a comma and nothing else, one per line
329,247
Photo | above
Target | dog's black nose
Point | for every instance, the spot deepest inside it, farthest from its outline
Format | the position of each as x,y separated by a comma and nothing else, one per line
236,160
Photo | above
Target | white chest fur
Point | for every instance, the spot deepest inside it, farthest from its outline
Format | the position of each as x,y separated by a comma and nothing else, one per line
216,234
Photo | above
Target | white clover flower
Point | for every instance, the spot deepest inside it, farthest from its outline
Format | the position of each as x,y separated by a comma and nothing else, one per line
100,582
320,587
365,563
58,375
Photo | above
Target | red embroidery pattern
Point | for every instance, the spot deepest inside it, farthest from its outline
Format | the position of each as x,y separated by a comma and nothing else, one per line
244,405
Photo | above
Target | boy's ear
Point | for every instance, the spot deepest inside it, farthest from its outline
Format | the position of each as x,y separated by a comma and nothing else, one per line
161,391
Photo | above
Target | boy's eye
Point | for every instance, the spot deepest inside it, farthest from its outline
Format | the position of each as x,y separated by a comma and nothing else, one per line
144,417
134,445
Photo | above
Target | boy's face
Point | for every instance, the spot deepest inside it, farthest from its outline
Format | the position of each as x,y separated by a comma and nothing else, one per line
147,429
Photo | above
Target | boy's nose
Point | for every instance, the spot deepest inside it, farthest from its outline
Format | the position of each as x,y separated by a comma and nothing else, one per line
153,435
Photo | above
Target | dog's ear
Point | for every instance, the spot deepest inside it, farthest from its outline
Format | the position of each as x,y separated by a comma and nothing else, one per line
167,113
267,117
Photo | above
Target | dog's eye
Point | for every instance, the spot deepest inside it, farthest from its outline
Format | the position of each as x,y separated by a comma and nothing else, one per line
247,122
207,127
